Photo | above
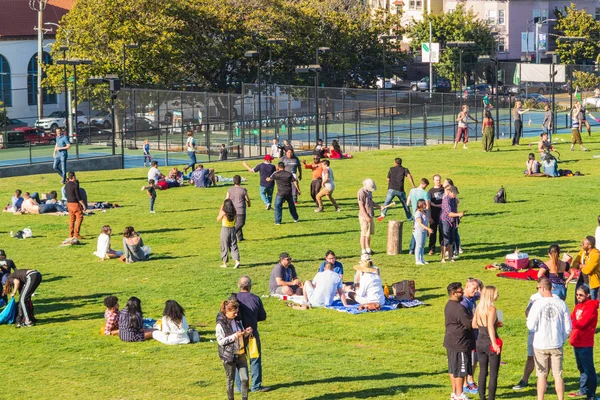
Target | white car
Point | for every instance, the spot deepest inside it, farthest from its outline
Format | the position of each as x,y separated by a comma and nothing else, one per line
58,120
592,102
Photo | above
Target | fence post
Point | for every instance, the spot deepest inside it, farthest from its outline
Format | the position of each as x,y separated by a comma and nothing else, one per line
230,127
182,124
30,158
378,114
443,113
344,120
510,116
425,124
207,134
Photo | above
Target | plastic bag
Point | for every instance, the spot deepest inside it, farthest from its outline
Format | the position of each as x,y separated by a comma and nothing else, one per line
253,348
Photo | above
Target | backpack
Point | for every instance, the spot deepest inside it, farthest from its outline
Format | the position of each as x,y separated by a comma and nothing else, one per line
500,197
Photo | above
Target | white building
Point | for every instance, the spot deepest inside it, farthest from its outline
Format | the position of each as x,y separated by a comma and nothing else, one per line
18,57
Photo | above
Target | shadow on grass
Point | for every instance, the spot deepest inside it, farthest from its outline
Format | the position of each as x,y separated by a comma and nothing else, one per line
496,251
167,257
487,214
343,379
68,318
162,230
55,304
375,392
118,180
179,211
54,278
429,297
532,392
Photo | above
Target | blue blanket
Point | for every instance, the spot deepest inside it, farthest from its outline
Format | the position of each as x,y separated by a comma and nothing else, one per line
7,316
390,305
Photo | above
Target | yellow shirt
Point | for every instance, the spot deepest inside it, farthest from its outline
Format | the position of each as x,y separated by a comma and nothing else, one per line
227,223
591,265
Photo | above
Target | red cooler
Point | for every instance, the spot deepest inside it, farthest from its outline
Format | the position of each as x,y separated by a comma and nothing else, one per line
517,260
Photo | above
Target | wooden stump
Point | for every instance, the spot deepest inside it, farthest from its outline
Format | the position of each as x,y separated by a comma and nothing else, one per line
394,243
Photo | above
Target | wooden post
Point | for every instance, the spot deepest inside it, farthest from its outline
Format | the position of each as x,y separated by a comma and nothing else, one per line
394,244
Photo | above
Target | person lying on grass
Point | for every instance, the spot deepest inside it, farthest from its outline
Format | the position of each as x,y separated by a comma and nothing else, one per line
30,206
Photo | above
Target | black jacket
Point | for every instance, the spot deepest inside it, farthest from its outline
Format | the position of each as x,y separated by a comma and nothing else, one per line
227,352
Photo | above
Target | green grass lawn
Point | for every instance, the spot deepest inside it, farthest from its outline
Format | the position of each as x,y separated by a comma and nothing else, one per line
315,354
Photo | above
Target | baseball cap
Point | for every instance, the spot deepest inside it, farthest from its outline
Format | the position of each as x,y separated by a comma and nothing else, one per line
2,253
268,157
284,255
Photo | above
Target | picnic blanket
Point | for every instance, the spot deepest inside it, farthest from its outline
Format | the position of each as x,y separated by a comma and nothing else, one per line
7,316
390,304
530,275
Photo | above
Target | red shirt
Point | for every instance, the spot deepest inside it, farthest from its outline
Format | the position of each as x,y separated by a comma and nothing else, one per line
584,319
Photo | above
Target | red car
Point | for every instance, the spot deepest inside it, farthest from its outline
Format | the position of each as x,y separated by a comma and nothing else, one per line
37,136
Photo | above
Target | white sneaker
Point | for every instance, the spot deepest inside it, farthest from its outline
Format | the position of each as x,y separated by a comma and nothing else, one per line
338,209
237,264
463,396
223,265
152,212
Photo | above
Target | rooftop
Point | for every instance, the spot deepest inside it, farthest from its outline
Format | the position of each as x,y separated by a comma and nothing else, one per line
18,20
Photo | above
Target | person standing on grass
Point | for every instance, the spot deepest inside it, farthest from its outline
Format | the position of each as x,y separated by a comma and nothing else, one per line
231,338
486,322
395,179
252,312
147,155
327,188
518,121
414,196
436,194
265,170
554,269
286,181
472,293
420,231
487,132
292,165
588,261
463,128
449,218
227,216
75,205
61,154
549,319
317,178
25,281
275,148
584,319
577,124
458,340
151,190
223,153
366,213
548,121
239,196
191,151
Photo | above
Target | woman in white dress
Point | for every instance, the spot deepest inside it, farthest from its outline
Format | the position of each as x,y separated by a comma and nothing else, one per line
174,326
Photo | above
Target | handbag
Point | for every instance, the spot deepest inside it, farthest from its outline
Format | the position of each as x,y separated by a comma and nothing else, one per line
253,348
193,335
404,290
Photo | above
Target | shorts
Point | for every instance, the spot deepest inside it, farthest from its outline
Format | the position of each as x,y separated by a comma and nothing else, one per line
530,344
449,233
459,363
543,359
575,136
366,226
462,133
279,289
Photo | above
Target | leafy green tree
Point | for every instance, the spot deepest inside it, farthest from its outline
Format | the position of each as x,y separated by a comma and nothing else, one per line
577,23
3,115
585,81
457,25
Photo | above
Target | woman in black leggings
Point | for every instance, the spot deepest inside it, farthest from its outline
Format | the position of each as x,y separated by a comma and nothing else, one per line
25,281
517,117
488,350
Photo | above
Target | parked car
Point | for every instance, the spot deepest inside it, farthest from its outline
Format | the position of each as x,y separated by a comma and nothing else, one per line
388,83
477,89
538,98
527,87
58,120
12,124
93,134
441,85
37,136
102,119
139,124
593,102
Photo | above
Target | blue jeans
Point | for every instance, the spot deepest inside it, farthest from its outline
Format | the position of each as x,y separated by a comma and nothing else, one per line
279,207
560,291
60,165
588,381
192,163
266,193
255,369
152,199
456,244
419,238
46,208
401,197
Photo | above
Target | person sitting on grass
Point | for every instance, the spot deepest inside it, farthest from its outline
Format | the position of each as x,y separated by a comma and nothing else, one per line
30,206
203,177
131,324
370,289
335,151
544,146
284,280
174,326
338,268
111,316
321,291
103,251
175,178
550,166
17,200
533,166
134,249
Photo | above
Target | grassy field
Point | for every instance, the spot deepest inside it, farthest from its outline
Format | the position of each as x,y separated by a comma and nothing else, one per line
315,354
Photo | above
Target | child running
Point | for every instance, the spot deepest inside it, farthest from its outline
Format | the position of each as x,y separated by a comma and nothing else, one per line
151,190
111,315
147,152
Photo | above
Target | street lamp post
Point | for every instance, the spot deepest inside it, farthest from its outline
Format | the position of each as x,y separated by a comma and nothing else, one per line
114,86
256,54
39,6
314,68
272,42
125,47
571,39
497,83
64,49
460,45
316,71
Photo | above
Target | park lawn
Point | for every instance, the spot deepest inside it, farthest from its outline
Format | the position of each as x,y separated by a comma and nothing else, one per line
316,354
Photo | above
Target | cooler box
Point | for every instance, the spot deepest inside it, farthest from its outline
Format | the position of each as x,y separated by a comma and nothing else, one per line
517,260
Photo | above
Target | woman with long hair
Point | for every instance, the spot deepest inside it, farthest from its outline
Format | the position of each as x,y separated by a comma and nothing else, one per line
133,246
227,216
131,324
174,326
420,231
487,131
488,349
335,151
554,269
232,346
25,281
517,113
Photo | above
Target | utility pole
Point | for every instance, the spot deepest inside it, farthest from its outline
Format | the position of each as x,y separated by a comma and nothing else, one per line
39,6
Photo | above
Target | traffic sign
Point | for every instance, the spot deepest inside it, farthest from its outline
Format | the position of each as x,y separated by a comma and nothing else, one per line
430,54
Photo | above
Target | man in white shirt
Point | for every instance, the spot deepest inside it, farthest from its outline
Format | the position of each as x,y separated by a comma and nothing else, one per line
549,319
154,173
322,289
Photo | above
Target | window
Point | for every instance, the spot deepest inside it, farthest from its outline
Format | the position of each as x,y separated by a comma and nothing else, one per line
415,4
32,71
5,89
500,17
501,45
597,14
491,17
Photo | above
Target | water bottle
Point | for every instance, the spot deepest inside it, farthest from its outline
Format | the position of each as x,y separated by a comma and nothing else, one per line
386,290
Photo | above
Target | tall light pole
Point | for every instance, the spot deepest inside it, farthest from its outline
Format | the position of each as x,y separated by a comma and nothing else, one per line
125,47
496,80
460,45
64,49
256,54
571,39
39,6
272,42
320,50
314,68
538,25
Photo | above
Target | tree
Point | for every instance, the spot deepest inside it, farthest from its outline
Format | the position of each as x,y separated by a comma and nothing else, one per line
586,81
578,23
457,25
3,115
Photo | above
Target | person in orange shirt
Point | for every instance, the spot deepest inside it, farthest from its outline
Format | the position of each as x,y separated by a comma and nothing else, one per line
588,261
317,179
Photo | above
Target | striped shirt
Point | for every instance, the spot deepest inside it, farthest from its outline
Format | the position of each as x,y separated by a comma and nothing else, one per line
127,333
